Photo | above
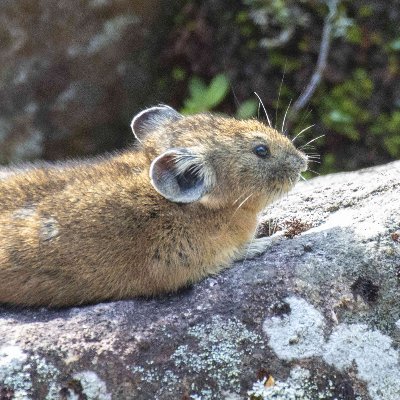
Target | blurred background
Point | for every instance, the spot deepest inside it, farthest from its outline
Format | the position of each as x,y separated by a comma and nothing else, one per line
73,73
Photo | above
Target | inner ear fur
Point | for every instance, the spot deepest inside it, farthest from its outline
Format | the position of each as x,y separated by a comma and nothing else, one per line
152,118
179,175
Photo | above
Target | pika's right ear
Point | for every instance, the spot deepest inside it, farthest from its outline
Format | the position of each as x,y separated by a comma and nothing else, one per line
152,118
180,176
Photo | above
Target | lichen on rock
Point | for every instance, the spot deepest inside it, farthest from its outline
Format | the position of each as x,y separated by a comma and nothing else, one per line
319,313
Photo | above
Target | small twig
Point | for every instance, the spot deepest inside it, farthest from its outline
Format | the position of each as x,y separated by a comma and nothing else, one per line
280,40
301,102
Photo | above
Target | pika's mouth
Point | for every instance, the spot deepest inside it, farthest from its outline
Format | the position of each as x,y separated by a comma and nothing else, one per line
301,162
292,178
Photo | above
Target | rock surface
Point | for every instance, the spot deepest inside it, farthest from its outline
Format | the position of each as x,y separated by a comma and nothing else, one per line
72,72
316,316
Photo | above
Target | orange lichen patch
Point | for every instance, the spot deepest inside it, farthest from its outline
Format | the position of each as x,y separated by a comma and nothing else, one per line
270,381
262,374
295,226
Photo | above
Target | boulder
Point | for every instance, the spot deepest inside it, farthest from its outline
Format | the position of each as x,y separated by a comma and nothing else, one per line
72,72
316,316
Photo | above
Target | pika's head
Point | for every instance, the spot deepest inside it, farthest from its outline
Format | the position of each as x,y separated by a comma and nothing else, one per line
216,160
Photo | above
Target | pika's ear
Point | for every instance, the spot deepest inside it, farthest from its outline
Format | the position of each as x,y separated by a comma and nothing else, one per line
152,118
179,175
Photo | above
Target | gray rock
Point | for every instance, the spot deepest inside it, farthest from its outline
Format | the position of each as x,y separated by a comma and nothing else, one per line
71,72
316,316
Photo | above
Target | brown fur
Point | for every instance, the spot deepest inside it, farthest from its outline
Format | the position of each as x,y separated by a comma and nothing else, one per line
98,231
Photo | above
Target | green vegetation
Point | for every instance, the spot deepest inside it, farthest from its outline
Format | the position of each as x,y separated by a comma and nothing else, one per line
207,97
357,103
344,108
203,97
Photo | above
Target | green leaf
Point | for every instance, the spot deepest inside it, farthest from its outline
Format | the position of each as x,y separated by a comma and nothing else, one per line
395,44
178,74
197,88
193,106
203,97
217,90
392,145
247,109
354,34
340,117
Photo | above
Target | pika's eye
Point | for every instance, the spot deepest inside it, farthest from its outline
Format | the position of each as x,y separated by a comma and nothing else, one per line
261,150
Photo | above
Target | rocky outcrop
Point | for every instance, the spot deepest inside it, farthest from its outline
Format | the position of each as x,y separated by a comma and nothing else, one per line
72,72
316,316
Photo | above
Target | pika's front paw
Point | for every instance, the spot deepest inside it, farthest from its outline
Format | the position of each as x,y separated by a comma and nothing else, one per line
253,249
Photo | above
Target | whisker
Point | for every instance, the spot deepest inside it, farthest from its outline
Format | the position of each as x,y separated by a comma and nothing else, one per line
314,161
242,203
236,200
309,148
315,172
313,140
279,96
239,197
305,116
284,118
234,95
302,177
262,104
302,131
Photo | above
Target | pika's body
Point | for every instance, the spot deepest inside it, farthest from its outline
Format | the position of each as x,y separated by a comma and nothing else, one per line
179,207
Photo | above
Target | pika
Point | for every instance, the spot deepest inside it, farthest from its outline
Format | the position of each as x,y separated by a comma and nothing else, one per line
180,205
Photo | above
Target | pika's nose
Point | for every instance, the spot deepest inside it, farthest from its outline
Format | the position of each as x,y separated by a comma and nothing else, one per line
304,162
297,161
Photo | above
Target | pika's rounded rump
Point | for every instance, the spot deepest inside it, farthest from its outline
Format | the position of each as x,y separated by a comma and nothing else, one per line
181,205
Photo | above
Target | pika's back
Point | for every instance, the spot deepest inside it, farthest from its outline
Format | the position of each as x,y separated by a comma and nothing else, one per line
146,221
